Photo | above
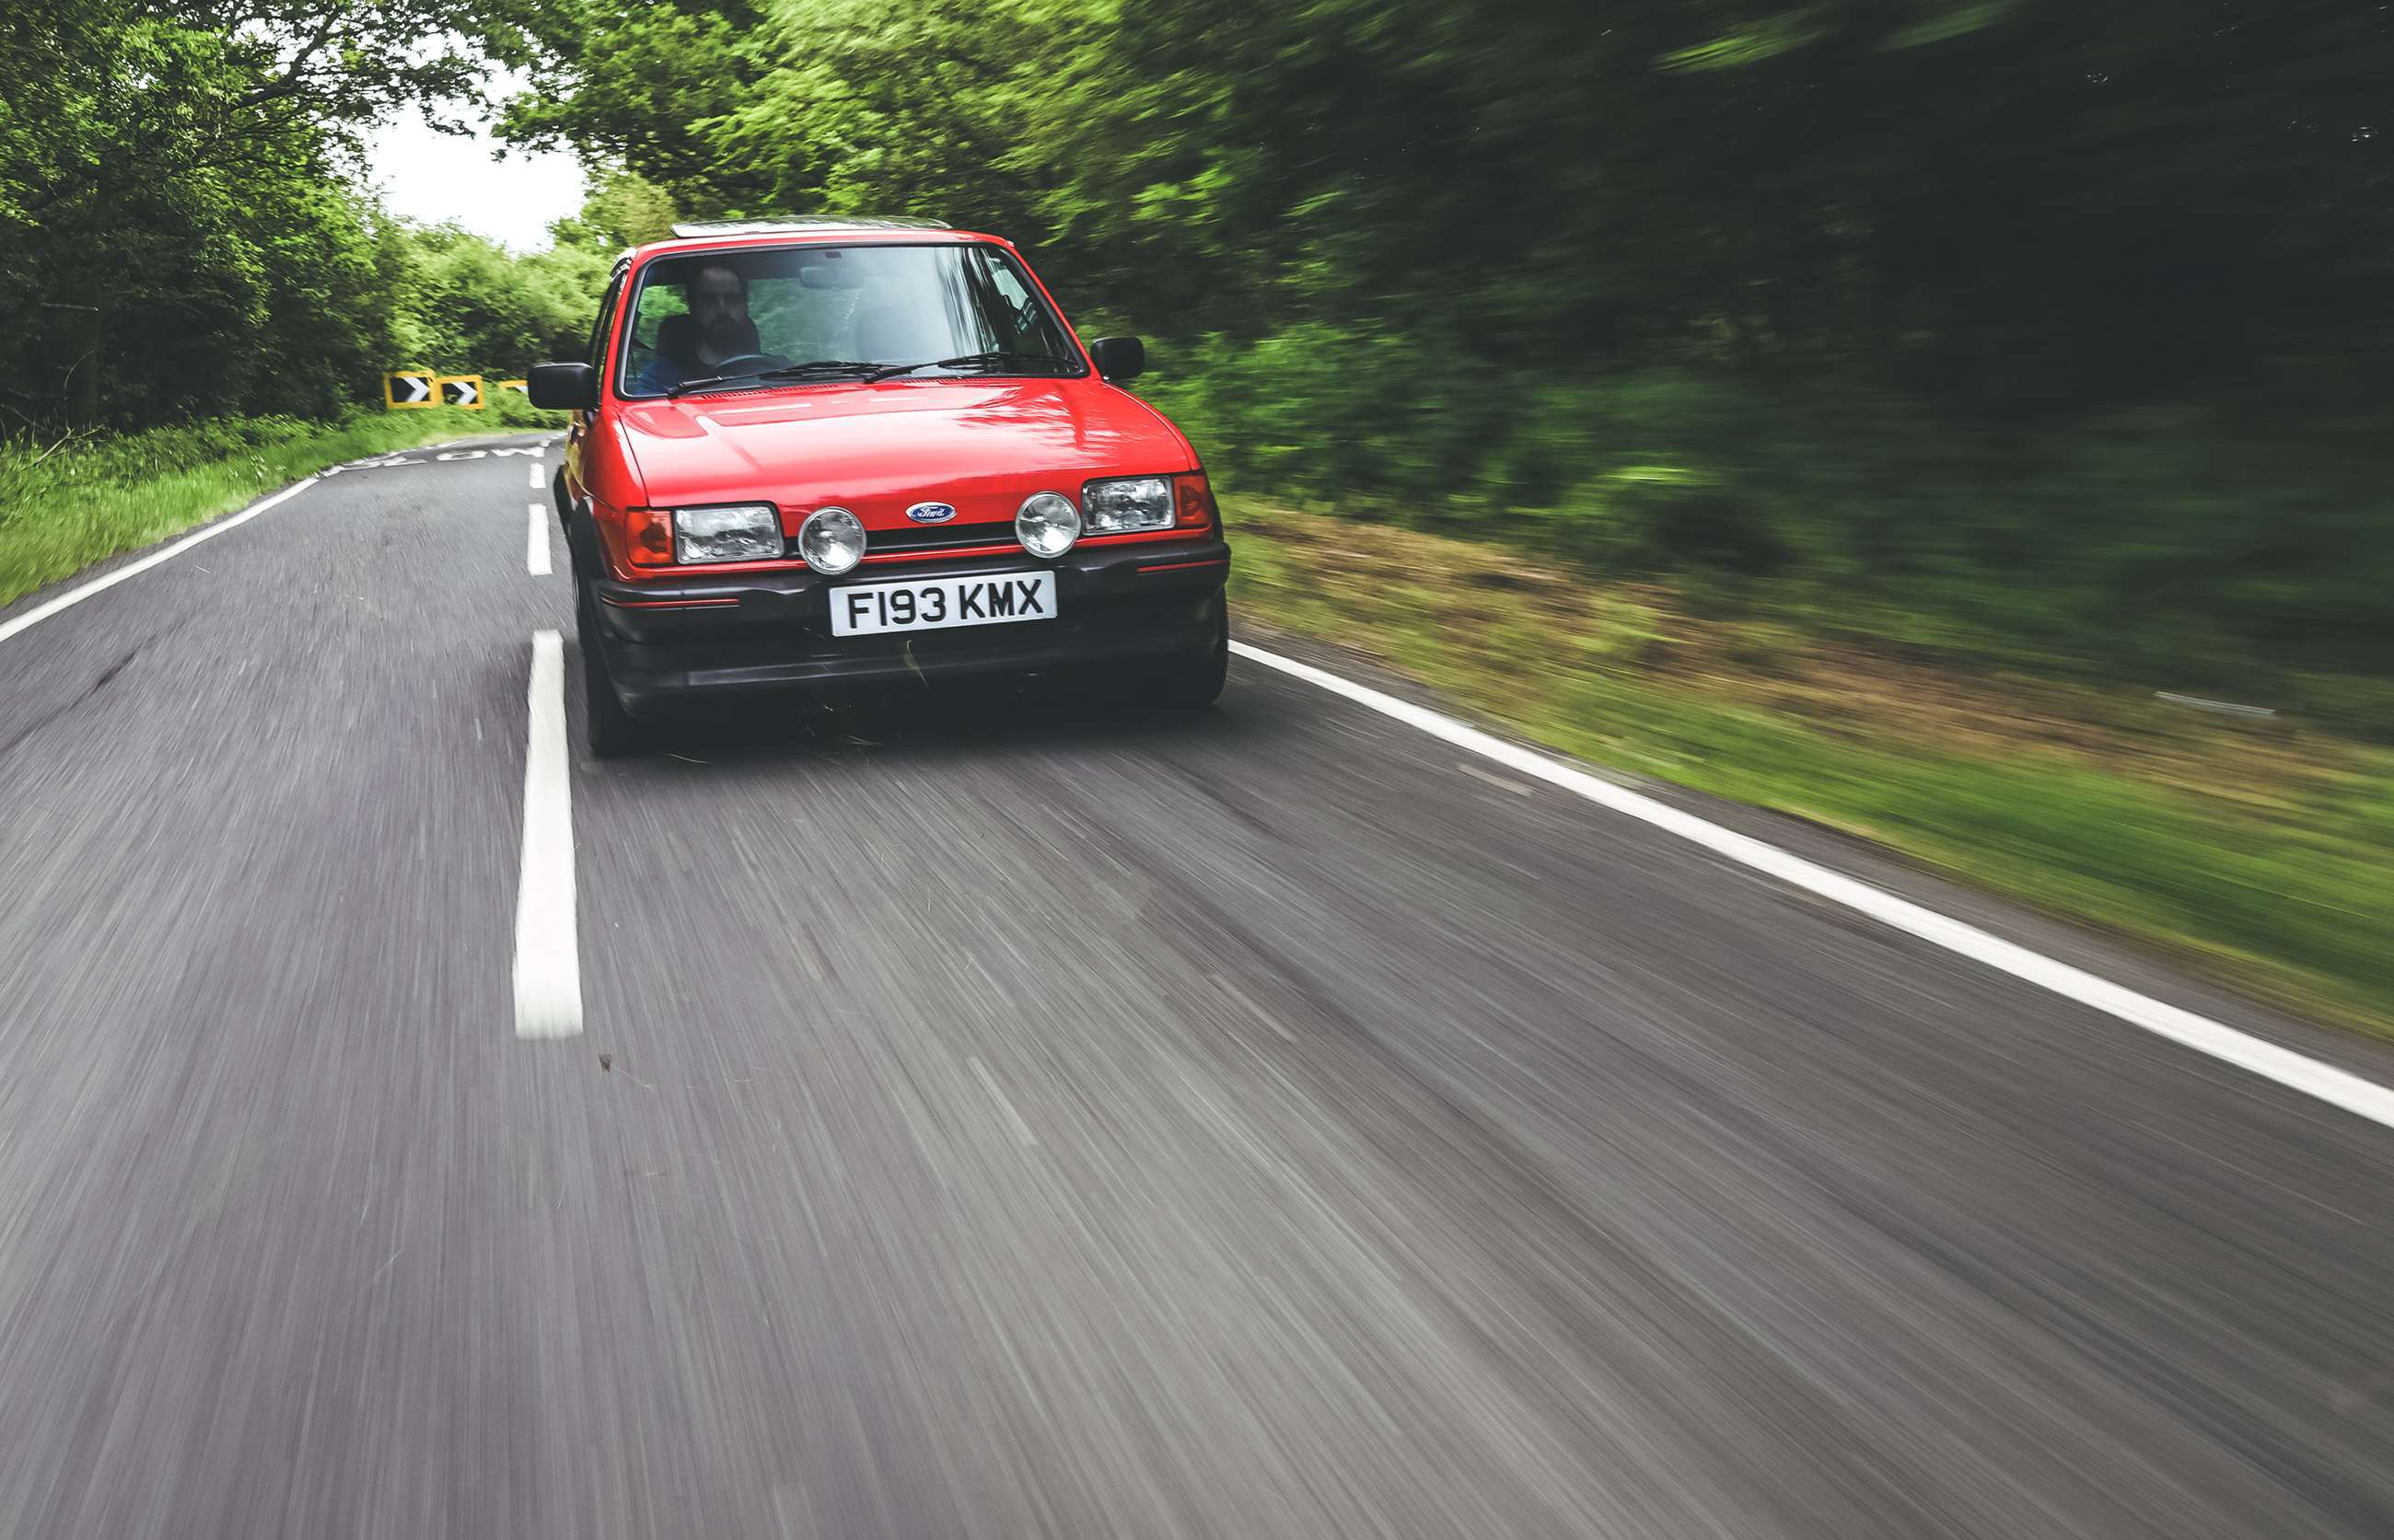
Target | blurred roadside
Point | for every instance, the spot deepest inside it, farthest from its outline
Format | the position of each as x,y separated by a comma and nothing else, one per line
2254,847
81,499
1862,409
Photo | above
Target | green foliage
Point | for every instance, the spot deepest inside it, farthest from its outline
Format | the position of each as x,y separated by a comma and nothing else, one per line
464,302
1767,38
2008,207
2191,548
1949,20
647,77
620,210
183,242
1871,301
179,232
2023,207
2022,326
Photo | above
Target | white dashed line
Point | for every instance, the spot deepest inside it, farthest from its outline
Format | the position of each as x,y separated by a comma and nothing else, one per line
548,963
536,542
73,596
532,474
2294,1070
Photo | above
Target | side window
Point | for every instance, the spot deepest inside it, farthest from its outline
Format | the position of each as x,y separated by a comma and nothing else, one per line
1018,312
1009,288
657,302
1021,321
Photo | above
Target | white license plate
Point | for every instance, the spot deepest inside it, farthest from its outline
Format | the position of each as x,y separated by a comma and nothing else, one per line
935,604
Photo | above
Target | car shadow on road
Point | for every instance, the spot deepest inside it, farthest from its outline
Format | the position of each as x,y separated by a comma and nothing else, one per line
978,718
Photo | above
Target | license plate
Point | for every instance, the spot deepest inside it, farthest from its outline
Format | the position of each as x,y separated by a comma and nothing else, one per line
935,604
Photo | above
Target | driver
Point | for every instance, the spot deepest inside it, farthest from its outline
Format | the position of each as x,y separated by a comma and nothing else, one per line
716,328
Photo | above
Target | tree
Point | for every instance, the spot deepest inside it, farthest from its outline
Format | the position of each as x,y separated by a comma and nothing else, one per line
463,302
622,209
636,85
160,147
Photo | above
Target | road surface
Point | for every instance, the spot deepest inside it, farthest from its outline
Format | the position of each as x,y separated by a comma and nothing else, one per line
1040,1121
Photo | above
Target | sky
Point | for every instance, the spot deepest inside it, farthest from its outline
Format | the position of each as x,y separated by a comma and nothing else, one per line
434,176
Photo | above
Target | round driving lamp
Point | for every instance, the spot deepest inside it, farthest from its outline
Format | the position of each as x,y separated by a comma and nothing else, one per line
831,540
1048,524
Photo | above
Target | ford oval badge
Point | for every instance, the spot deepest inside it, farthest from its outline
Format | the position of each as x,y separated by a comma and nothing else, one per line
931,513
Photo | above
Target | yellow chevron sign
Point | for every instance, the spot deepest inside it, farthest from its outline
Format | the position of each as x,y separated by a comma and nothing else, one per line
460,390
403,390
520,387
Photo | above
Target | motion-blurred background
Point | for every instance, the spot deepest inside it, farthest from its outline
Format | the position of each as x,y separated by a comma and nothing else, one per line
1963,422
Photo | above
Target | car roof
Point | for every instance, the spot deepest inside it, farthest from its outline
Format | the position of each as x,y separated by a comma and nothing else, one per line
746,232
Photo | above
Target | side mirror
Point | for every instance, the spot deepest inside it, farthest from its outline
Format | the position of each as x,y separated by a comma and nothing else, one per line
1119,358
563,386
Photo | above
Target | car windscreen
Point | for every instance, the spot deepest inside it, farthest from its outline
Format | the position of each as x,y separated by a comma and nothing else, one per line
725,319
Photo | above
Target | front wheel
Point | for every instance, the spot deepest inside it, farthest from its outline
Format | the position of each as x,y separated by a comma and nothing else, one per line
607,728
1193,681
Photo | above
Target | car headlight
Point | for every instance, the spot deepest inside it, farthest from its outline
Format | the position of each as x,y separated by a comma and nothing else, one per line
1048,524
747,531
831,540
1128,502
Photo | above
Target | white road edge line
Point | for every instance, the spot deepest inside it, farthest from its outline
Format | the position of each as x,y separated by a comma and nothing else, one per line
2294,1070
73,596
548,963
536,542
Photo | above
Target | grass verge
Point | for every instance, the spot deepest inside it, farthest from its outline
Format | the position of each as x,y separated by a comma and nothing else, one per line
61,510
2262,850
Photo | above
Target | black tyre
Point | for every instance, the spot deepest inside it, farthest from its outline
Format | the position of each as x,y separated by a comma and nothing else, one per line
1192,681
607,729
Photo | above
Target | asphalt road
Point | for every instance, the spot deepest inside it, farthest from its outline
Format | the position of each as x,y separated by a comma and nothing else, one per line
1040,1120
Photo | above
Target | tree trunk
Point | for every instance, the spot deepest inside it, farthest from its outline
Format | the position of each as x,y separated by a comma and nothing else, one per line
78,351
83,367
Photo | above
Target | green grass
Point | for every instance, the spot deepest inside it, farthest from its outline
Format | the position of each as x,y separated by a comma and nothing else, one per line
2262,854
86,502
2305,903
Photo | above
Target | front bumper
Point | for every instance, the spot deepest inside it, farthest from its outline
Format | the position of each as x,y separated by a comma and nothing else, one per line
696,636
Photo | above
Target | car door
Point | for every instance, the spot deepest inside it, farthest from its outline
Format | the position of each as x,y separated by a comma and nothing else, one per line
578,431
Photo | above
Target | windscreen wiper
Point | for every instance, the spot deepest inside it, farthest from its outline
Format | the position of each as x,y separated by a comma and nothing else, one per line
808,370
998,360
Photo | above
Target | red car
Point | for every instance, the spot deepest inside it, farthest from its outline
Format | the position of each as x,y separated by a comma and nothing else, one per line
809,453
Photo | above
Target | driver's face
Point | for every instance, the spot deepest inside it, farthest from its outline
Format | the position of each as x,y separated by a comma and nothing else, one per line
719,303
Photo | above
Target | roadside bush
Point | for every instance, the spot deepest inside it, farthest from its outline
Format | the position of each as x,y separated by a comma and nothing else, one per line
2181,548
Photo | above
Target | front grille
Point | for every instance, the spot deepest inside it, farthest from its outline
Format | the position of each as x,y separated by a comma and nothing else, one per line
931,538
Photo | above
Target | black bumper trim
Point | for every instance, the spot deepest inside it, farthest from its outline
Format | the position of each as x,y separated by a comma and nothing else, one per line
679,640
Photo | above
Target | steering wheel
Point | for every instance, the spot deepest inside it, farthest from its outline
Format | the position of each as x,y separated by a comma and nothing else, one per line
748,364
